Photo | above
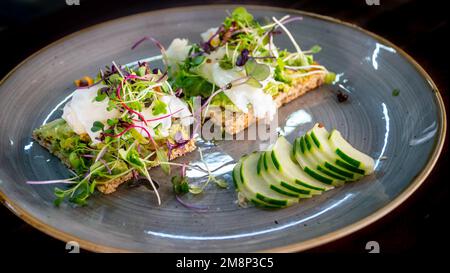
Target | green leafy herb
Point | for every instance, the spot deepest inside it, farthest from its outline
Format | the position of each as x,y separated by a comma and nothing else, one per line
141,71
138,136
315,49
310,59
135,105
193,85
115,79
241,14
132,157
279,73
159,107
92,186
198,60
100,95
180,184
195,189
97,126
57,202
220,182
75,160
77,194
111,105
162,158
256,70
112,122
395,92
226,63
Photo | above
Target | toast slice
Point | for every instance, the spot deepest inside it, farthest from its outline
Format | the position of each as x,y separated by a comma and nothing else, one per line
111,186
234,122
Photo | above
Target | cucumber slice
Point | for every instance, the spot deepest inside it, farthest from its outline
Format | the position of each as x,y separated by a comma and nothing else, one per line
273,172
348,157
312,161
310,165
281,159
248,195
272,176
257,186
326,156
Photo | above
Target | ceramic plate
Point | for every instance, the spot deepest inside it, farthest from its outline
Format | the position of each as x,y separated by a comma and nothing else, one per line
403,133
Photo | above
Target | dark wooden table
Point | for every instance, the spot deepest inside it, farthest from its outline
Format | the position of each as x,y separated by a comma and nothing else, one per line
419,27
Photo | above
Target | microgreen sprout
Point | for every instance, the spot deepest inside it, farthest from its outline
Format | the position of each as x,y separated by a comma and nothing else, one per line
303,60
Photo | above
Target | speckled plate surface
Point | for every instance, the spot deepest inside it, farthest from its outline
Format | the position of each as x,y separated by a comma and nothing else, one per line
404,133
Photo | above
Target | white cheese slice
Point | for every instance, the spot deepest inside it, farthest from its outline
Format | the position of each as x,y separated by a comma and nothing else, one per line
82,111
174,104
244,95
177,51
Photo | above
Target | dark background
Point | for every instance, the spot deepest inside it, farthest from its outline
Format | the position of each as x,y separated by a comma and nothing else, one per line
420,27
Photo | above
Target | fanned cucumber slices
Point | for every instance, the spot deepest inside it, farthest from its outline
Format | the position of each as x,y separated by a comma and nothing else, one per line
316,162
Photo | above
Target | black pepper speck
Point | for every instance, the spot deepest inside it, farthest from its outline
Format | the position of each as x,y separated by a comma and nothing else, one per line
342,97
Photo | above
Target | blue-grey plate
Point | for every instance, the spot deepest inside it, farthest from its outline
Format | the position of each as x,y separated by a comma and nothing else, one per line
404,133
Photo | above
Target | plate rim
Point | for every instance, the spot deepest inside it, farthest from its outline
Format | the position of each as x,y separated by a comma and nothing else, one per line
294,247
